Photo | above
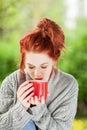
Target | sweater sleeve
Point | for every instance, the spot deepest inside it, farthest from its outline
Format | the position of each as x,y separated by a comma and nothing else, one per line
60,118
12,113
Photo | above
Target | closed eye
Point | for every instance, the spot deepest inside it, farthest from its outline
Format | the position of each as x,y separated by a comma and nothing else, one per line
31,67
43,67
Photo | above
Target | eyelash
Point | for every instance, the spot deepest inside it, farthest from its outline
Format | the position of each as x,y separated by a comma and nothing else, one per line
31,67
44,67
41,67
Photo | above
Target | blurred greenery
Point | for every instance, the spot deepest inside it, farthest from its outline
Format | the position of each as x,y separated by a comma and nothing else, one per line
18,17
9,58
75,61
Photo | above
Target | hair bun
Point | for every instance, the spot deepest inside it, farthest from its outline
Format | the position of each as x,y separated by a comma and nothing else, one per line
52,30
43,23
44,26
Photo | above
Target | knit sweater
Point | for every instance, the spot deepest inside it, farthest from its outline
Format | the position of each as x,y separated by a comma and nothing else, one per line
57,113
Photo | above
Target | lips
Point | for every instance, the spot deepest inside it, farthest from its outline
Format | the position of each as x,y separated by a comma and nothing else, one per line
38,78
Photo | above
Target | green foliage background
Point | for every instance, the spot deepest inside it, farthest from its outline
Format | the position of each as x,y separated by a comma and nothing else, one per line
18,17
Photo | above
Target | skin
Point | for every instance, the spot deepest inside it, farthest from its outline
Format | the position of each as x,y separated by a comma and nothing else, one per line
38,66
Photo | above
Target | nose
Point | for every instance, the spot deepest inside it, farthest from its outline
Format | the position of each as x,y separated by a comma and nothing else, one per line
37,73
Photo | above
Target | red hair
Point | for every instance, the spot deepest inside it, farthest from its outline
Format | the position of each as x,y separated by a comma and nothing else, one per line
47,37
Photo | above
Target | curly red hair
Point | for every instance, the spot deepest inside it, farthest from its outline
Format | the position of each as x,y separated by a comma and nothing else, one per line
47,37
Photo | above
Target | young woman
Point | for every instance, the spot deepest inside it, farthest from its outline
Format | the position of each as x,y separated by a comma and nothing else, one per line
19,108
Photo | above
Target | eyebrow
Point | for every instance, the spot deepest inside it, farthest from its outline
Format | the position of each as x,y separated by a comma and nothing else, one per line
41,64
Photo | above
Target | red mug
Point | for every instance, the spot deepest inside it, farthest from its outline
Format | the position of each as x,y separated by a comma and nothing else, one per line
40,88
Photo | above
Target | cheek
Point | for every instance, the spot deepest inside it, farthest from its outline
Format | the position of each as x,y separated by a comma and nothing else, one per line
30,72
48,71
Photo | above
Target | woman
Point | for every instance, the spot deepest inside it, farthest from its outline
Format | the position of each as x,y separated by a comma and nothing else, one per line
19,108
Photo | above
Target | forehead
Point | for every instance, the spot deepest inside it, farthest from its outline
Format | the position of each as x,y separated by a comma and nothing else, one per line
37,58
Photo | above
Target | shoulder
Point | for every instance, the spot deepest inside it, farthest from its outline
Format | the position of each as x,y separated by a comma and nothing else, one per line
66,76
13,76
66,80
11,79
63,76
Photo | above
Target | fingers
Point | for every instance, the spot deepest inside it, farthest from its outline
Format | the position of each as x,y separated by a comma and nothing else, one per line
22,88
35,100
24,94
23,84
48,94
32,101
42,100
28,94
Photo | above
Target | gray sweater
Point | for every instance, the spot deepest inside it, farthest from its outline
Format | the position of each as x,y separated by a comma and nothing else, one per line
56,114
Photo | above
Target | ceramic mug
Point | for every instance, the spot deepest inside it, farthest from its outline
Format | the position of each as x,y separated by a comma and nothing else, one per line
40,88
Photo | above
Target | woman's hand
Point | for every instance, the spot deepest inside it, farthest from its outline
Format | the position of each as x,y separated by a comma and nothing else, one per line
25,93
35,101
